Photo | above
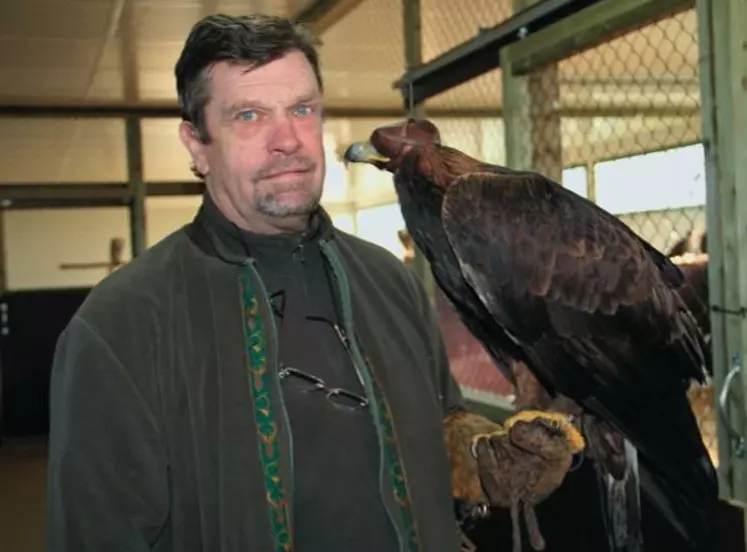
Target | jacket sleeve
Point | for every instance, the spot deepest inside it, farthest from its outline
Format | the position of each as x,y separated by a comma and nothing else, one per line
107,483
460,426
448,389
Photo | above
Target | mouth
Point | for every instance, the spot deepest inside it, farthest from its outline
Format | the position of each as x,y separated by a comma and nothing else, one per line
286,174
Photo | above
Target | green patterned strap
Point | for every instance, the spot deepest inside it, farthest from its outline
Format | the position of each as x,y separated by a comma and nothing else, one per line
264,417
394,465
406,524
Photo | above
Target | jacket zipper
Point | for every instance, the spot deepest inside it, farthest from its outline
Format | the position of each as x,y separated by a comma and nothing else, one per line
351,345
274,371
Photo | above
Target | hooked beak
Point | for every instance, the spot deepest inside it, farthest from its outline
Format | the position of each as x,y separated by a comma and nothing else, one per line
363,152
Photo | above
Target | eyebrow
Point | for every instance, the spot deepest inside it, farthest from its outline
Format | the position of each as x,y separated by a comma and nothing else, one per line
311,97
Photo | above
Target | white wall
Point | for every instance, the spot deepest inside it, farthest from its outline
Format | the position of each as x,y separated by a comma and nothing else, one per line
38,241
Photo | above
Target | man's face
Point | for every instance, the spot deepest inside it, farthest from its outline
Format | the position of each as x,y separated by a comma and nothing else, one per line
265,164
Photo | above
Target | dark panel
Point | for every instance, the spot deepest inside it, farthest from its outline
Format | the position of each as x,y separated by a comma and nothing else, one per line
29,335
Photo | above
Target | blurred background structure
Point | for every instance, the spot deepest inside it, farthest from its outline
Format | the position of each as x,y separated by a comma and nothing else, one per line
638,105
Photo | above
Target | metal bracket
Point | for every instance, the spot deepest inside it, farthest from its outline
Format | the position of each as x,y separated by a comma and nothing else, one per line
742,311
740,446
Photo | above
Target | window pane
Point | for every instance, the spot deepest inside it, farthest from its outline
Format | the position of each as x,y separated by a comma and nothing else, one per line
575,180
653,181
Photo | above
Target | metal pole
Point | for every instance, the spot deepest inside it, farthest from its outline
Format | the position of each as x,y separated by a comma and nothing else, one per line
136,184
414,57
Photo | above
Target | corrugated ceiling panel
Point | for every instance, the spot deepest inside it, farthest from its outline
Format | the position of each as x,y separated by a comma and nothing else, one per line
363,55
62,150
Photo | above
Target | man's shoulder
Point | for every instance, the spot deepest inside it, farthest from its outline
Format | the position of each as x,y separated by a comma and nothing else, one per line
137,285
379,267
373,254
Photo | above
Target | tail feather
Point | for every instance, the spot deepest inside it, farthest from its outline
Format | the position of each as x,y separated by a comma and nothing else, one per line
621,505
675,471
616,465
702,531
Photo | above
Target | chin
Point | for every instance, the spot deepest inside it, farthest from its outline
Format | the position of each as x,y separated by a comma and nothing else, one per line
283,206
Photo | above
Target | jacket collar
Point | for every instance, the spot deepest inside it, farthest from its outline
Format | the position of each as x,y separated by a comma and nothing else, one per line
214,231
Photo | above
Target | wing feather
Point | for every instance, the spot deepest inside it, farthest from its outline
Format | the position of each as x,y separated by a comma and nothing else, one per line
546,249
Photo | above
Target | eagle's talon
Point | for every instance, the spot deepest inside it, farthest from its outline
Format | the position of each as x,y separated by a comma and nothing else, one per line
473,448
476,441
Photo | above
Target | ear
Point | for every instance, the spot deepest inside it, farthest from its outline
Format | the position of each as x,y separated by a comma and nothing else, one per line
190,137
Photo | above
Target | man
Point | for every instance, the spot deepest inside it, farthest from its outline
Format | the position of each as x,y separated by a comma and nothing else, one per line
258,380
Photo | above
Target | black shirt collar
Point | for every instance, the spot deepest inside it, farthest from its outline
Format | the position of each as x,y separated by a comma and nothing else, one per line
235,244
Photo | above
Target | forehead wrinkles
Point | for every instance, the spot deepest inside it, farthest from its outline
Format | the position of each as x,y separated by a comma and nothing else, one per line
268,94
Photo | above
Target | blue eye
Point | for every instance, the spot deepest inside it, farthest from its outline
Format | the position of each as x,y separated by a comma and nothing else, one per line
305,110
248,115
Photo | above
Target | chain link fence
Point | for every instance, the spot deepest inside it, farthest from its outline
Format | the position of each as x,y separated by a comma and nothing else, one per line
619,124
631,116
445,25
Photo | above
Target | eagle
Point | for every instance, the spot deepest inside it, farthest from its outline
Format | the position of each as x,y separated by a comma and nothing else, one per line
546,279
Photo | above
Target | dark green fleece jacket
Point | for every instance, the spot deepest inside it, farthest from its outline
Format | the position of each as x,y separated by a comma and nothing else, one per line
169,427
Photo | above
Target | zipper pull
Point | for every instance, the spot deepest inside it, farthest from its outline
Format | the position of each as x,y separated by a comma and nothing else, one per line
298,253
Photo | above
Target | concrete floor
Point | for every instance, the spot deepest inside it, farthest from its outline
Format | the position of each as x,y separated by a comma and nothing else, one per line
23,464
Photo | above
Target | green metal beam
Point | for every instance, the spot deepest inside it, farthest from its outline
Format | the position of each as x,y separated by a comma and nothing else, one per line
467,112
494,407
723,70
29,195
585,29
481,54
41,196
413,42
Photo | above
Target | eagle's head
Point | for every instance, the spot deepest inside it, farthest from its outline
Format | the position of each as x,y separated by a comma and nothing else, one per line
414,146
388,145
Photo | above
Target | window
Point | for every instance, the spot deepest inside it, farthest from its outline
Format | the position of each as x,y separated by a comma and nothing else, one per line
380,226
344,222
653,181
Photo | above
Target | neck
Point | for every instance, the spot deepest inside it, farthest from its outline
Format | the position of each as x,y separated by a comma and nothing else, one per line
235,244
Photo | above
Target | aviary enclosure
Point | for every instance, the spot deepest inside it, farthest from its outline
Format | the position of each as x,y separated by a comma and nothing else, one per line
638,105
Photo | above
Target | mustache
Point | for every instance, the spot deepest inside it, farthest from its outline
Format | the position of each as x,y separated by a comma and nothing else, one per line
285,164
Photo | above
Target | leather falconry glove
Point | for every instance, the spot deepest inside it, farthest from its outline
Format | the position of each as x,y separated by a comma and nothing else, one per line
515,465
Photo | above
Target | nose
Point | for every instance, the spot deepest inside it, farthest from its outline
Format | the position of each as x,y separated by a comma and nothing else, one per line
284,136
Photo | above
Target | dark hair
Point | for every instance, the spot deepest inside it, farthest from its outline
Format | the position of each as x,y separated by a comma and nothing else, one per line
254,39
